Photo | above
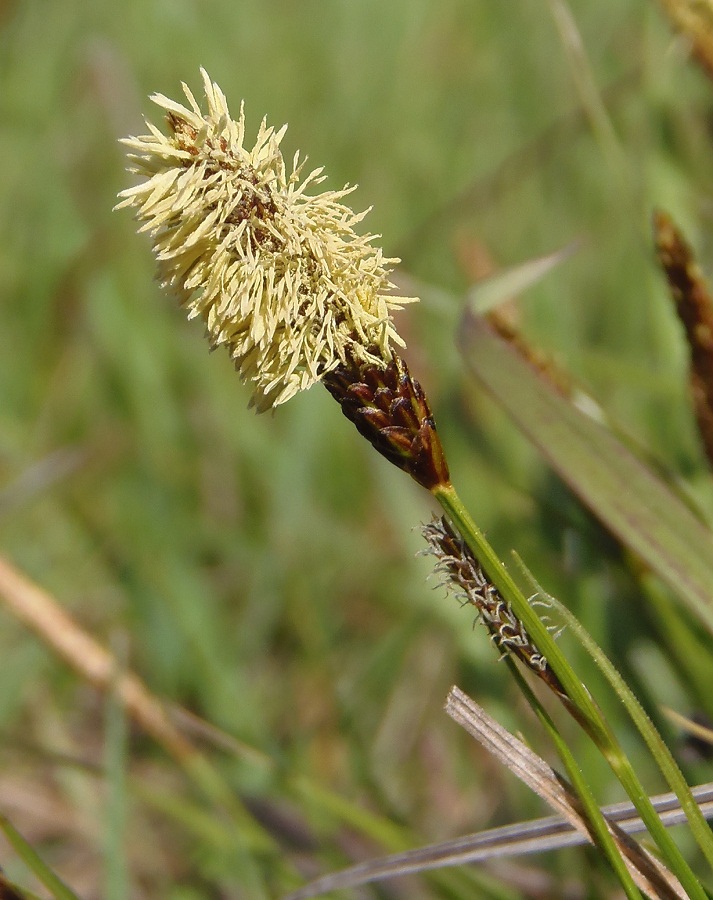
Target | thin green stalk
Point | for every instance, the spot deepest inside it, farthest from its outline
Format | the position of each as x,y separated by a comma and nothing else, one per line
54,884
116,873
580,703
624,771
503,581
15,891
601,834
660,752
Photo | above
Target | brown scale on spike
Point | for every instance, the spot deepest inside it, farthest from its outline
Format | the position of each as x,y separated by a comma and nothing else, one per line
390,409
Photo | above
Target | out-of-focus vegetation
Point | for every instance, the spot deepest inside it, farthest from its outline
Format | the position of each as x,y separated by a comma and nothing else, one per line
260,571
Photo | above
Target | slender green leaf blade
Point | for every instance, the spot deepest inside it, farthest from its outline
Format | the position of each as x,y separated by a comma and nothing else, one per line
620,489
53,883
492,291
9,891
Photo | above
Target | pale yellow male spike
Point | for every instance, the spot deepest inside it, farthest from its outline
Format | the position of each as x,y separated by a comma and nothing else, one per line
278,276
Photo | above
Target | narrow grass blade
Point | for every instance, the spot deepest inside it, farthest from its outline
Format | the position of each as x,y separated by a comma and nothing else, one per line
54,884
490,292
660,752
536,836
10,891
115,753
626,495
634,866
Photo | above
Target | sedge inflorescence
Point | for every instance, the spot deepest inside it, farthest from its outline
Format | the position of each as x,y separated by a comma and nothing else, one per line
278,275
462,573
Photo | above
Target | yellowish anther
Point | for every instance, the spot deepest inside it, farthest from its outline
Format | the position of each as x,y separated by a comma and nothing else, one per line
278,275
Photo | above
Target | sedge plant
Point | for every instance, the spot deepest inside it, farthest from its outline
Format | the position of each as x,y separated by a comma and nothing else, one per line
281,279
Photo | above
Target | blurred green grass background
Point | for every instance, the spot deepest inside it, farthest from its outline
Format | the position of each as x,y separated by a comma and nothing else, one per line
261,571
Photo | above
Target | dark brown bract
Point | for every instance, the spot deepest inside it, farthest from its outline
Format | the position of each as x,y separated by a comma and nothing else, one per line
390,409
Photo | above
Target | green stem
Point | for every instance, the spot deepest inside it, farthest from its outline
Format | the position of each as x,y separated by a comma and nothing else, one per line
578,701
503,581
660,752
32,859
596,820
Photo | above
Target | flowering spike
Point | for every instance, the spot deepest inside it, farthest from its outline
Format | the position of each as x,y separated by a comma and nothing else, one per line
278,276
694,306
462,573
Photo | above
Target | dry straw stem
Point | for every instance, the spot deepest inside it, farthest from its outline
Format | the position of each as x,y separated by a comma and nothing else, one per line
649,874
694,307
694,19
40,612
569,828
689,726
37,609
534,836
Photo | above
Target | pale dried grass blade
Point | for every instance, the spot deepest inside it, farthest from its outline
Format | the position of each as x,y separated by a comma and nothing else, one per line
649,874
40,612
536,836
554,832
